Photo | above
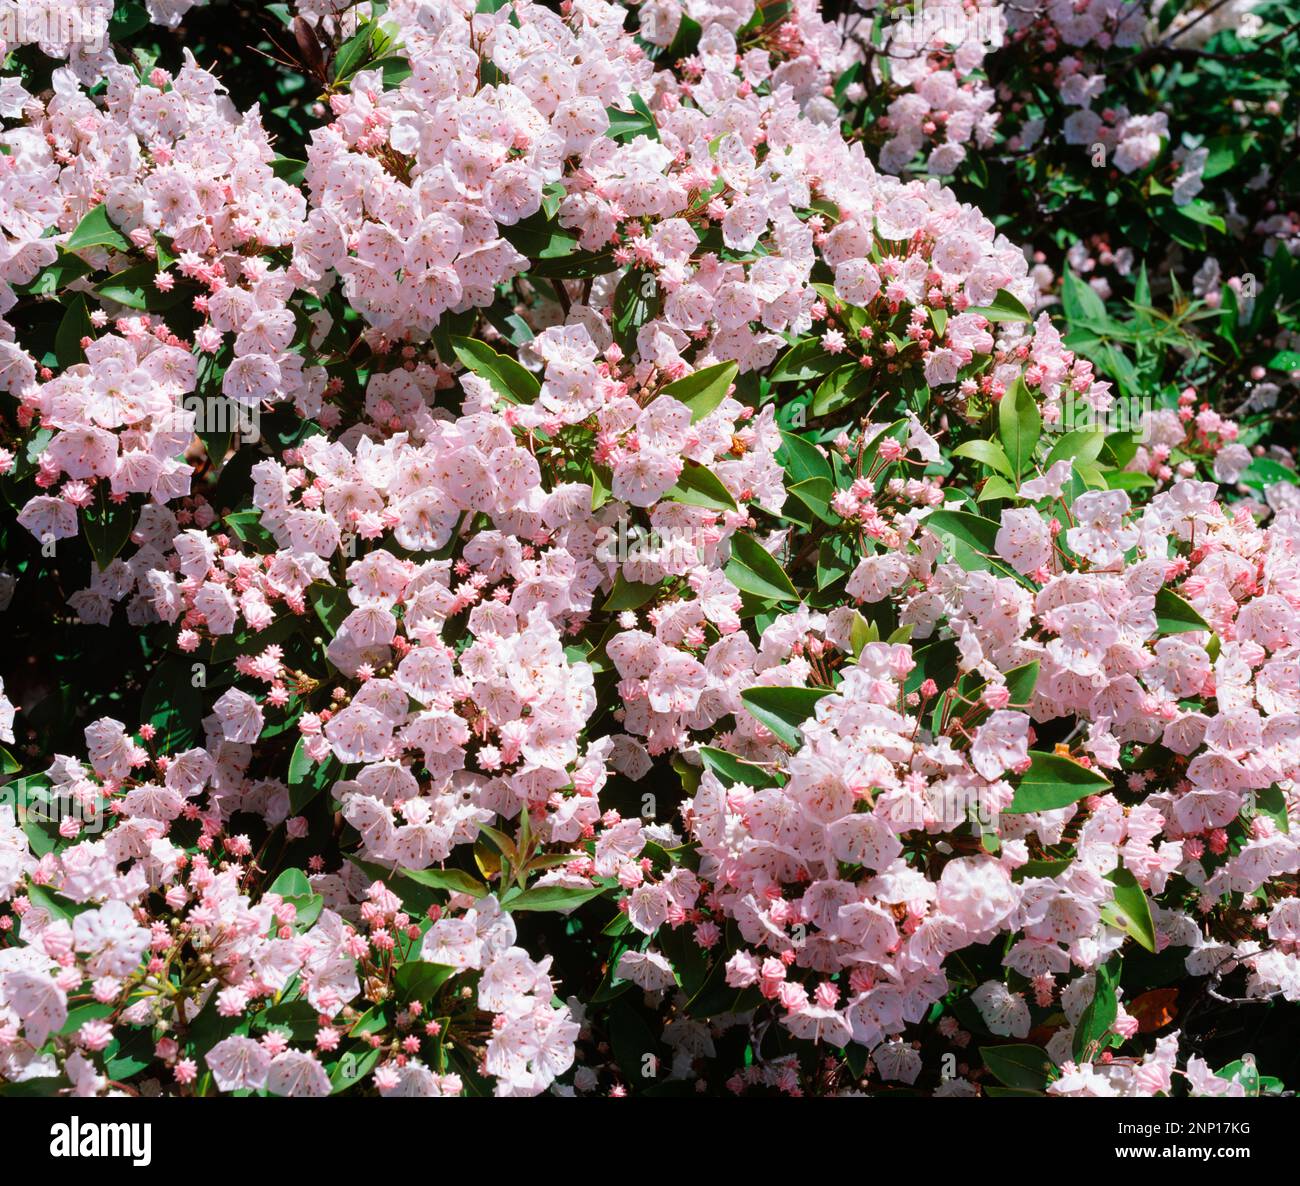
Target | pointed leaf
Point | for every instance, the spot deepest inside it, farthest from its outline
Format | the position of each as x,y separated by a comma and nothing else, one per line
1053,781
704,390
783,710
753,569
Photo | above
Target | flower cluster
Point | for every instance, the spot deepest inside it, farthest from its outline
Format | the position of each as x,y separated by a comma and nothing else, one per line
608,556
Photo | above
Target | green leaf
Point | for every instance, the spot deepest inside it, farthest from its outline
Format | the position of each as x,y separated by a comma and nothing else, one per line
1203,213
135,288
996,487
77,1017
1092,1032
1124,479
1246,1072
1142,295
971,541
1272,803
173,706
631,1041
988,453
700,487
503,844
455,881
1044,868
353,1066
508,379
95,230
627,125
861,632
642,109
331,604
704,390
289,169
1025,1067
52,280
753,569
783,710
1082,443
731,769
107,525
601,478
1082,304
636,301
1019,426
308,779
1176,616
628,594
540,237
1005,307
1021,682
396,70
1264,471
128,18
1133,907
684,42
816,495
292,885
298,1018
840,388
1053,781
247,526
353,52
72,329
804,361
55,905
575,265
1225,153
419,981
421,888
835,560
552,897
801,459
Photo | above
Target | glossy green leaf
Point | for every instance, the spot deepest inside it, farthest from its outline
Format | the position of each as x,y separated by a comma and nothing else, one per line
1053,781
1133,907
628,594
1176,616
1019,426
731,769
988,453
753,569
508,379
1005,306
971,541
700,487
804,361
783,710
1092,1033
1027,1068
96,230
560,898
802,459
704,390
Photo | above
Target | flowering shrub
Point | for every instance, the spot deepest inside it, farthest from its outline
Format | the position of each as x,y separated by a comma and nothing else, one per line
542,559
